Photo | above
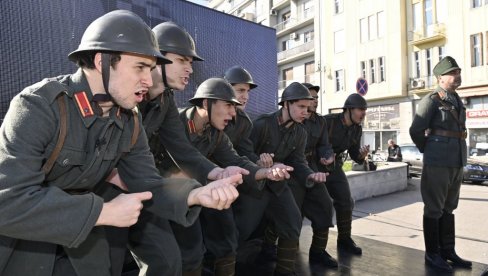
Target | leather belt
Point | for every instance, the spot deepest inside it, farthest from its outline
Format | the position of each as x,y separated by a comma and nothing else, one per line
448,133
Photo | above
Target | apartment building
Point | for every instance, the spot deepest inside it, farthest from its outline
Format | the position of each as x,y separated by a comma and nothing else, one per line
393,45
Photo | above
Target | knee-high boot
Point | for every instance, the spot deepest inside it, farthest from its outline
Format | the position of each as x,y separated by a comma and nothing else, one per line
286,251
447,241
225,266
431,239
344,226
318,253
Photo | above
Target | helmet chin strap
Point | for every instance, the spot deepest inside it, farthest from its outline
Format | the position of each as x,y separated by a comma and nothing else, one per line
165,79
290,118
105,79
350,116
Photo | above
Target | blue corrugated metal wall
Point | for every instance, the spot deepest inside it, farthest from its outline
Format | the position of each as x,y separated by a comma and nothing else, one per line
36,37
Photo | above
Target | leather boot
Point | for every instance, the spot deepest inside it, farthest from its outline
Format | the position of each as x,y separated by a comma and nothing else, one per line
196,272
344,240
317,253
447,241
225,266
431,238
286,253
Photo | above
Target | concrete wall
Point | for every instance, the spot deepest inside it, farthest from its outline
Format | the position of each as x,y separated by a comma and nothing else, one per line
388,178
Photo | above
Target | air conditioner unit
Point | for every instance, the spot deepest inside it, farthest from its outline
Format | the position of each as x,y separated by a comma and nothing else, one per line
293,36
417,84
273,12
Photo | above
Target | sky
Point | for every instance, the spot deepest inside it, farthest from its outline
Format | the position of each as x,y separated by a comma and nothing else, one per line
200,2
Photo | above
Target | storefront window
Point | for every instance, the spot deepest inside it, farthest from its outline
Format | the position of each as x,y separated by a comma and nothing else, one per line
381,124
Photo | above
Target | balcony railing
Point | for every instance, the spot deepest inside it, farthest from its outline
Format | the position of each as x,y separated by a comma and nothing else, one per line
430,33
285,24
305,47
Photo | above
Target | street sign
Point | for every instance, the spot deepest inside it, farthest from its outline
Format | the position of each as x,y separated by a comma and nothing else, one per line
362,86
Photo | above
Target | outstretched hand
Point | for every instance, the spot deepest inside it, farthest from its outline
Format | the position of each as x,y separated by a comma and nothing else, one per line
279,172
318,177
123,210
218,194
265,160
220,173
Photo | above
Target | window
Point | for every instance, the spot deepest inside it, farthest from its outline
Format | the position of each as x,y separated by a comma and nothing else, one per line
308,36
363,69
476,50
308,10
381,24
285,18
441,10
429,20
363,25
287,44
428,59
339,76
338,6
372,70
339,43
441,52
381,65
310,72
416,58
372,27
417,17
476,3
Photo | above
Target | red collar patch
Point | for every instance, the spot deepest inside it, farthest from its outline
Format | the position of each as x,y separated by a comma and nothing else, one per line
191,126
83,104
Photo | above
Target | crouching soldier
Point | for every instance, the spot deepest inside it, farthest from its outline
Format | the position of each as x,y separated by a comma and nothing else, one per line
345,133
281,134
214,107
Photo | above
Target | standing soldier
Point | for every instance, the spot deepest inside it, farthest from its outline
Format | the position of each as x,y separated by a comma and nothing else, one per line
213,108
166,136
280,133
439,131
345,133
55,177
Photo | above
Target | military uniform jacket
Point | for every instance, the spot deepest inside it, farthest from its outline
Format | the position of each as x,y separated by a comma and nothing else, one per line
269,135
317,141
40,212
343,137
239,132
166,132
434,112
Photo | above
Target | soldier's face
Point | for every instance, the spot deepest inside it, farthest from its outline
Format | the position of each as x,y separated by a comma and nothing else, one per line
178,73
450,81
315,102
158,86
242,93
222,113
357,115
298,110
130,79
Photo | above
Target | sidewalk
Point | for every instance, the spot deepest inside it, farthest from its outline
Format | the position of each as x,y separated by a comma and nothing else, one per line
397,219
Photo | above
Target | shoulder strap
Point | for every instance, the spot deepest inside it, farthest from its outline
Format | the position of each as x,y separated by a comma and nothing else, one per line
61,137
135,132
450,108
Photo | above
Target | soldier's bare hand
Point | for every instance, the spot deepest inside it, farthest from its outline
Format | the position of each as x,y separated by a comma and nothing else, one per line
363,152
265,160
219,173
124,210
318,177
279,172
217,194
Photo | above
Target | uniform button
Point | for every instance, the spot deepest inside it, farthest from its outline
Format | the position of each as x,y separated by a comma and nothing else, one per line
66,162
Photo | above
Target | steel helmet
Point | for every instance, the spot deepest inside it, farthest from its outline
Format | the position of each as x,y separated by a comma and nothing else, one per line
119,31
295,91
237,74
174,39
311,86
216,89
355,101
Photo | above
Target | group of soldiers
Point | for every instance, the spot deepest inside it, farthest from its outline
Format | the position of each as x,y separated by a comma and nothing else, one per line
102,160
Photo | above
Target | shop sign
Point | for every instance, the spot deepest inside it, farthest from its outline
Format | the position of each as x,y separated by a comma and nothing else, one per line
477,113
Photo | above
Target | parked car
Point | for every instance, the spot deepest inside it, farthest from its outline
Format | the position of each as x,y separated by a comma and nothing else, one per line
476,170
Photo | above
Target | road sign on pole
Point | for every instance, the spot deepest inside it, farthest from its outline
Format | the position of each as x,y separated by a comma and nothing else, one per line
362,86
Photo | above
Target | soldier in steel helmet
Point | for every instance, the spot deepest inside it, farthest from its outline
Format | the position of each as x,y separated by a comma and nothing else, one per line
91,111
213,108
281,134
439,131
168,144
345,133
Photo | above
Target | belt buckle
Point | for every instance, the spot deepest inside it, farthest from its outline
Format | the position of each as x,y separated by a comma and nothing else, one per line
465,134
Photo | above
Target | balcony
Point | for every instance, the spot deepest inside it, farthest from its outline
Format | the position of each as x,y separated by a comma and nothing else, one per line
296,52
294,23
429,34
